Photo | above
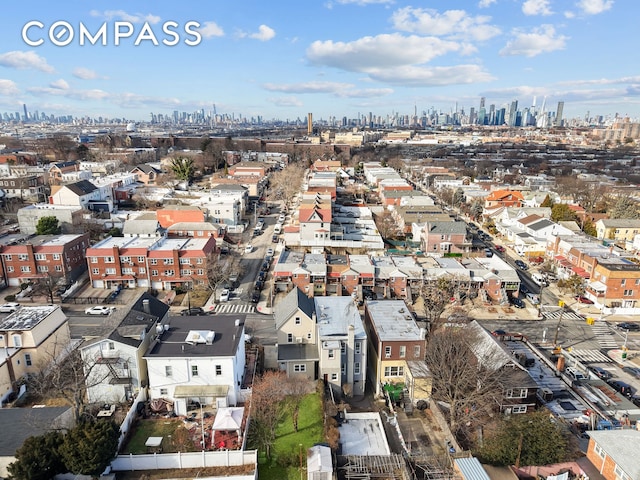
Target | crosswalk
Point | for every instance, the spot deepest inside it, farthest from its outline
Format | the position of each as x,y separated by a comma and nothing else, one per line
602,332
235,308
565,316
590,356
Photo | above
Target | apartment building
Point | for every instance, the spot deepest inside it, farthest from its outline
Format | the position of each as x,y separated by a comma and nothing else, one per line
160,263
58,256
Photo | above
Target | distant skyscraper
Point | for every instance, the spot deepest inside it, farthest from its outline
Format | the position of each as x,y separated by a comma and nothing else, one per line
26,112
559,114
482,100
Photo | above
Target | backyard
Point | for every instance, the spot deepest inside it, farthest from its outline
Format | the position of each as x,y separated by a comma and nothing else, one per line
291,445
165,428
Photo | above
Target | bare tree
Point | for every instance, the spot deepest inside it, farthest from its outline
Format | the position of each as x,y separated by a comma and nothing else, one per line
285,184
296,389
386,224
266,410
219,271
436,295
468,387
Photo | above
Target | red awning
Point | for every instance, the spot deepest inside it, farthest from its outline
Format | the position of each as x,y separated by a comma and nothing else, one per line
123,277
581,271
335,274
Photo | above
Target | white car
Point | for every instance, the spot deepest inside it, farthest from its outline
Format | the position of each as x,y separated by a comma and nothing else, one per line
9,307
281,218
224,296
98,310
248,248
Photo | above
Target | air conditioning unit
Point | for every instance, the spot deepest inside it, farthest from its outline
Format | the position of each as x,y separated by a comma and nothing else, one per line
298,339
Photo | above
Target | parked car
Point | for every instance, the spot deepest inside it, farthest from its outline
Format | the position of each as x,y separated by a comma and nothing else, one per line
265,265
274,239
517,302
98,310
261,276
270,252
622,387
192,312
521,265
488,252
500,248
575,374
255,297
600,372
498,333
281,218
633,371
9,307
533,298
629,327
584,300
259,285
224,295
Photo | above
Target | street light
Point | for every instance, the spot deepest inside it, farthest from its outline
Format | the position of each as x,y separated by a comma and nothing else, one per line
555,338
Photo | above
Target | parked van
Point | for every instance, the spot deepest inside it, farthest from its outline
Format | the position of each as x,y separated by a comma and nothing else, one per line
575,374
539,279
277,229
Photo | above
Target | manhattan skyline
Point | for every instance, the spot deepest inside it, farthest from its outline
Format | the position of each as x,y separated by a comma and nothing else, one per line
282,59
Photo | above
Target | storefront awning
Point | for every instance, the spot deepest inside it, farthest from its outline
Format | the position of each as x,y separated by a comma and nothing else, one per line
189,391
581,271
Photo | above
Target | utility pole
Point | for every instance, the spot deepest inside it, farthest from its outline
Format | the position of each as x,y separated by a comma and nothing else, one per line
555,338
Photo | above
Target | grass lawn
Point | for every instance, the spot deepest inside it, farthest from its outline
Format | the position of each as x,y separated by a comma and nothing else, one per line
151,428
310,431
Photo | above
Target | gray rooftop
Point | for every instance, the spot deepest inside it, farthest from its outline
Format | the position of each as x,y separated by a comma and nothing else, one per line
178,340
294,300
622,447
26,318
393,321
18,424
335,314
293,352
447,228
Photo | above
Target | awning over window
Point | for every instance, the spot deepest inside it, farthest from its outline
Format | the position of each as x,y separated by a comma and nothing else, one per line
189,391
581,271
598,287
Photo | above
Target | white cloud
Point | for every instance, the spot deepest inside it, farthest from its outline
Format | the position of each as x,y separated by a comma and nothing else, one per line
536,7
210,30
594,7
85,73
264,33
381,51
60,84
365,93
73,94
539,40
454,23
569,14
420,76
8,87
25,60
308,87
285,101
486,3
126,17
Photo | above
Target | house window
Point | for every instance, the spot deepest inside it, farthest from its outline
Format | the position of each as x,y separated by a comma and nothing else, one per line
298,321
27,359
331,354
394,371
17,341
637,281
185,261
169,273
7,257
356,368
168,261
40,256
309,335
194,370
164,391
343,368
94,259
517,393
343,348
387,352
218,370
43,268
519,409
185,273
599,451
628,293
623,282
141,259
620,475
58,268
25,268
127,271
168,371
110,271
300,368
403,351
95,271
154,273
416,351
334,376
200,271
142,270
357,348
153,261
289,337
109,260
199,261
9,269
23,258
125,259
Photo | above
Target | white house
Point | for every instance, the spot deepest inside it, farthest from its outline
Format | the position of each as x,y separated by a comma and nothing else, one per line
198,359
116,369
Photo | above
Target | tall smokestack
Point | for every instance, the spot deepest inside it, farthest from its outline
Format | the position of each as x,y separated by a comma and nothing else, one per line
309,123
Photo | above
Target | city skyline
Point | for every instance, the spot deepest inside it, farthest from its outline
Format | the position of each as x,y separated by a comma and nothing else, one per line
337,58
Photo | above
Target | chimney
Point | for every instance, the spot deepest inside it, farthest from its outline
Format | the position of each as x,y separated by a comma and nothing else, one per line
145,306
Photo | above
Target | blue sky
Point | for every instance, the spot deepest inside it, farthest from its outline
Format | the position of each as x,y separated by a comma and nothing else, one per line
282,59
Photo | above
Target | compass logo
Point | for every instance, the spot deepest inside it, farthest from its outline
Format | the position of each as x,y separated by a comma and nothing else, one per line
62,33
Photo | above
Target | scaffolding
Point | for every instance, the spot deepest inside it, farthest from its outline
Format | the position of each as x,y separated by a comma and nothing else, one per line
433,467
374,467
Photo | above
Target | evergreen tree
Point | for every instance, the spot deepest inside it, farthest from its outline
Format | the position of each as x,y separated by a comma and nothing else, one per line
561,212
38,458
89,447
183,168
625,207
48,226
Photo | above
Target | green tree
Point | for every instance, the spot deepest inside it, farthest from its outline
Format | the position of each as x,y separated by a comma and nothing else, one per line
561,212
38,458
531,439
183,168
476,210
589,228
547,202
115,232
48,226
625,207
89,447
574,284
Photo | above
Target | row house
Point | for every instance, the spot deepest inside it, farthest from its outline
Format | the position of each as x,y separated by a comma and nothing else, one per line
407,215
146,174
61,172
57,256
230,190
314,217
323,183
614,453
503,198
30,338
405,198
442,238
83,194
254,184
172,214
26,188
322,338
620,230
396,347
159,263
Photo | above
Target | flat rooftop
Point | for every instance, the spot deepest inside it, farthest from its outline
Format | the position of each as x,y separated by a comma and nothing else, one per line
363,434
393,321
25,318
